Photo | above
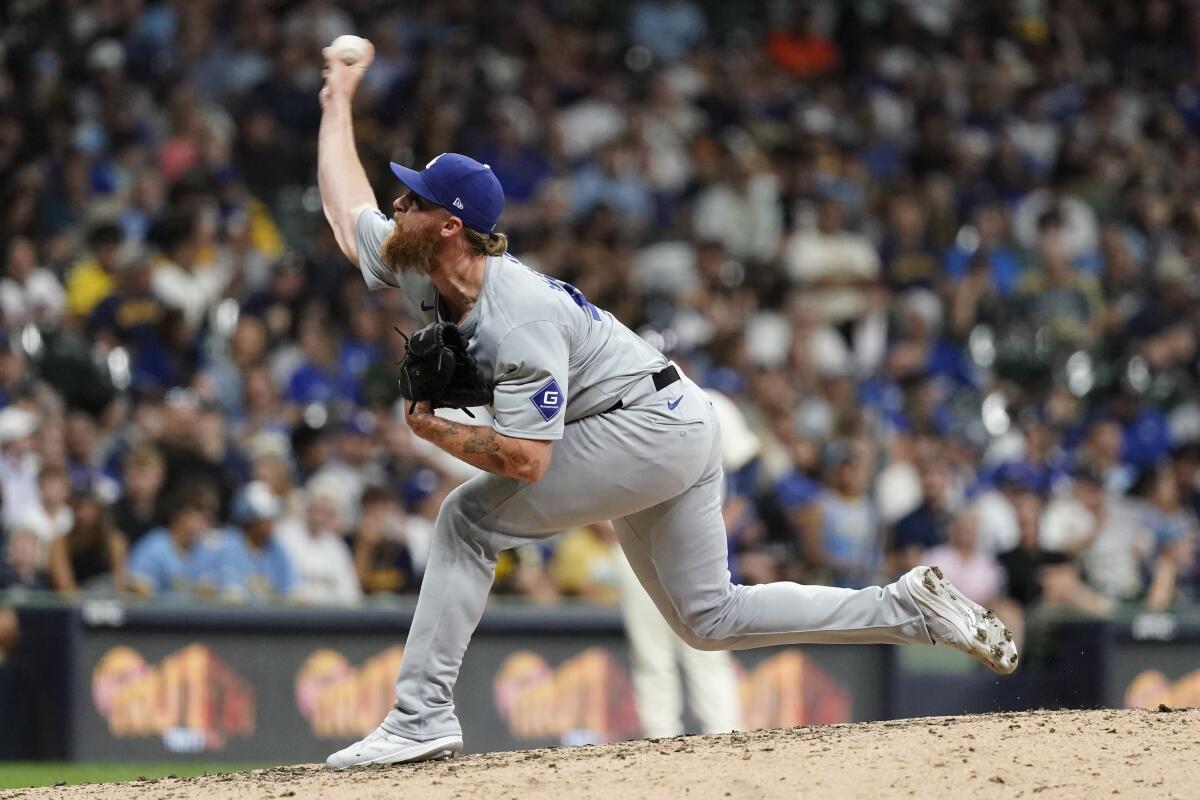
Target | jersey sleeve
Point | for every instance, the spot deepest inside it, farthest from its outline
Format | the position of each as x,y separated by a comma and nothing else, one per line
530,392
373,228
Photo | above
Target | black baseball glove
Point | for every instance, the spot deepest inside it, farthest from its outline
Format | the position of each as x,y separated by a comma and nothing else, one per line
438,368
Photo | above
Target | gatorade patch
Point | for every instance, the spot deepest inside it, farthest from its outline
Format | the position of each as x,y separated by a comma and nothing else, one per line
548,400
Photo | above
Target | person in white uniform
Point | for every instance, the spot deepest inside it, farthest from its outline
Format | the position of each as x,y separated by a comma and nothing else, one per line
589,423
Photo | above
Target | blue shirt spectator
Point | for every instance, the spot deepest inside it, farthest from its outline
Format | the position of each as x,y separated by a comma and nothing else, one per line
236,569
669,28
248,564
164,561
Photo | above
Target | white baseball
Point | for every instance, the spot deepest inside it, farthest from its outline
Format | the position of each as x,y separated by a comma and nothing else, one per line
349,48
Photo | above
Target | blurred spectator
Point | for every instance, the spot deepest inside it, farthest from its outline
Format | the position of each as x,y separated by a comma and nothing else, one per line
138,510
354,466
975,572
996,509
1103,530
908,259
1066,301
246,563
669,28
838,270
130,315
1101,451
94,278
423,493
986,244
1173,529
317,378
186,446
51,518
1034,574
1163,330
802,48
382,557
928,526
182,280
324,565
162,562
91,556
18,463
584,565
29,293
741,209
843,540
19,568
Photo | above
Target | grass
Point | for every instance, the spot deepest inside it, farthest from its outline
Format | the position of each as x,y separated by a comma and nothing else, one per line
26,774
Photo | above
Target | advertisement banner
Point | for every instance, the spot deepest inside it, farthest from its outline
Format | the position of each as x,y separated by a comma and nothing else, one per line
295,697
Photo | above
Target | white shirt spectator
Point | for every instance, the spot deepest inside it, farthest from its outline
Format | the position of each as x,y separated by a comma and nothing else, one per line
1081,230
192,291
19,464
325,573
811,256
1112,563
746,219
999,530
588,124
40,299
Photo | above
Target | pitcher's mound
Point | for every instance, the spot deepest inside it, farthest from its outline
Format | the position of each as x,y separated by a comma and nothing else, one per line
1045,754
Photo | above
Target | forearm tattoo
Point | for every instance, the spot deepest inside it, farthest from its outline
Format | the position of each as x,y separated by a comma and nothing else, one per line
483,447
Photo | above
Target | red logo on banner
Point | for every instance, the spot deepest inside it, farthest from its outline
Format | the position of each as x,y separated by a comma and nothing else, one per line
339,700
192,698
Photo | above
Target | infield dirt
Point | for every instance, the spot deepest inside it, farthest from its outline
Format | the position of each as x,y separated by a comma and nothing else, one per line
1047,754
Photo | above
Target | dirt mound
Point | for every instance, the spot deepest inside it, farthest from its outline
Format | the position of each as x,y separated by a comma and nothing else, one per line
1076,754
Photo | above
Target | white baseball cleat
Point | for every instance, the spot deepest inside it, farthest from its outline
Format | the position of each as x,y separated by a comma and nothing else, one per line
381,747
957,621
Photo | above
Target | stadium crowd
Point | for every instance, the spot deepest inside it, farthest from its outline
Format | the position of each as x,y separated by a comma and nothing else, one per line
937,260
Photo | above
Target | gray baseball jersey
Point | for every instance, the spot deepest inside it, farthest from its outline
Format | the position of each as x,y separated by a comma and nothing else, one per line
653,468
553,356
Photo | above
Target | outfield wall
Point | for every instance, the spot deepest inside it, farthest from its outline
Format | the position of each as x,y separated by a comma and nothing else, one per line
106,681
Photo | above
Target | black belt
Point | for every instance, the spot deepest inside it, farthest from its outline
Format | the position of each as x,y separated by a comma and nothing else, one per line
662,379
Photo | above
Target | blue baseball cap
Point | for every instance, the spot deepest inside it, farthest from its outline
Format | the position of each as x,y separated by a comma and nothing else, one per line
461,185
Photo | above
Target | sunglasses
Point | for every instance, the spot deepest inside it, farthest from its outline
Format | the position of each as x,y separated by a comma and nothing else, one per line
416,202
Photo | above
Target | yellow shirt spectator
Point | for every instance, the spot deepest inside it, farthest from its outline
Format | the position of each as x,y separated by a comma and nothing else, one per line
94,278
87,284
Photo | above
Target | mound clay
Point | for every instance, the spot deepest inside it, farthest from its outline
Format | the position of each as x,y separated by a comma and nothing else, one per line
1075,754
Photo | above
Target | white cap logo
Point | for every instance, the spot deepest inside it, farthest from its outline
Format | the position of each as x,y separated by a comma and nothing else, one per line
457,203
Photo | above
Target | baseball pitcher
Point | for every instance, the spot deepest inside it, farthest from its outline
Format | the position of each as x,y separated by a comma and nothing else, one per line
590,423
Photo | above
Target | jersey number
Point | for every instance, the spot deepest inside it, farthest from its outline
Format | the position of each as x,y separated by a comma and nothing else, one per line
575,294
579,299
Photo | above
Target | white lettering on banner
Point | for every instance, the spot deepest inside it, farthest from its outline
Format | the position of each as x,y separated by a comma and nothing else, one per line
103,613
1158,627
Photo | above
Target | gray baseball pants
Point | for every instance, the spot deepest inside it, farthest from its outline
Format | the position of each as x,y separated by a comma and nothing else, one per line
656,473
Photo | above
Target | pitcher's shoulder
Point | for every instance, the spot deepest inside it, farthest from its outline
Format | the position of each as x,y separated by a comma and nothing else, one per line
525,295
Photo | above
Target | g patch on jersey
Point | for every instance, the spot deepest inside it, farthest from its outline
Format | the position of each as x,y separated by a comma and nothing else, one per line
548,400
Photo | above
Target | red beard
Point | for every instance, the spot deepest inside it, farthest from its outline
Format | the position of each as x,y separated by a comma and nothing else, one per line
410,250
